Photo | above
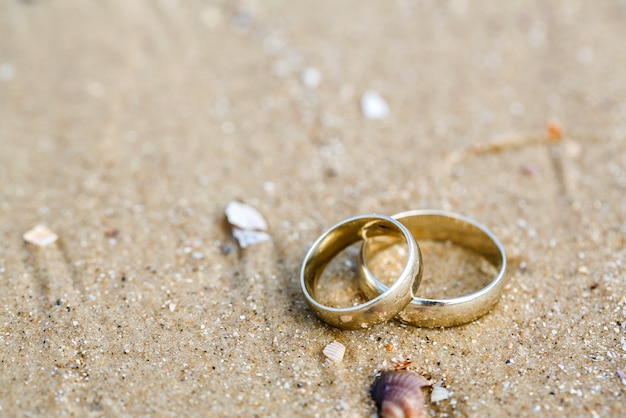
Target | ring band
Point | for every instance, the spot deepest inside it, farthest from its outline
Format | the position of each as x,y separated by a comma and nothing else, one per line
443,226
383,305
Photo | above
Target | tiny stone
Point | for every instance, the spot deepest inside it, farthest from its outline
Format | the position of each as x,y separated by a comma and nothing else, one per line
529,170
373,106
573,150
7,72
523,267
311,77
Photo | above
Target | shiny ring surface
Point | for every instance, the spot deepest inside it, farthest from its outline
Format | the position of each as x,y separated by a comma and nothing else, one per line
383,305
443,226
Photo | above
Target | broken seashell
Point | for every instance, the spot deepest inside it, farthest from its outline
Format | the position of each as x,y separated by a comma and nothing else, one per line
335,351
40,235
246,238
248,225
245,217
398,394
439,394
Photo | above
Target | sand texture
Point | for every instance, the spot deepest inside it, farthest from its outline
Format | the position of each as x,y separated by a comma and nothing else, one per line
126,128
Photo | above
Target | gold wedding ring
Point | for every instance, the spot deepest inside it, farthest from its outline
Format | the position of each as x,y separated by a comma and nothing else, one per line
442,226
383,304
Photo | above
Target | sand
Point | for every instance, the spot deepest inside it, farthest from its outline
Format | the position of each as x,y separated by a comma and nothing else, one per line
127,127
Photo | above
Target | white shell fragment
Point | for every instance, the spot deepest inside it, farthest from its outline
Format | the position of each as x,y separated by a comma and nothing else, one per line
247,238
373,106
248,225
40,235
439,394
335,351
245,217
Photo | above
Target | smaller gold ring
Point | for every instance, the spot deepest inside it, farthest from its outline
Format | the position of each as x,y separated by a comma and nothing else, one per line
443,226
382,306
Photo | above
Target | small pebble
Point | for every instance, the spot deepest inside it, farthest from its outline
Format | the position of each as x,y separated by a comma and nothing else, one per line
311,77
40,235
7,72
529,170
335,351
373,106
573,150
553,131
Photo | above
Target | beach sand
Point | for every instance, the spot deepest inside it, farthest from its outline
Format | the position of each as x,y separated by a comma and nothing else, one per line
127,127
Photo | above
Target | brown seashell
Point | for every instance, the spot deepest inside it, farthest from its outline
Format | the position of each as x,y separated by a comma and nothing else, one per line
398,394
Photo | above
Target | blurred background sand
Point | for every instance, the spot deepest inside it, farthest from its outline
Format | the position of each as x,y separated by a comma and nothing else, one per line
127,127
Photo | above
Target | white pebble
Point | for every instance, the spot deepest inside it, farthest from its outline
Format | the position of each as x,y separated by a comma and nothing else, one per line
7,72
439,394
374,106
311,77
335,351
40,235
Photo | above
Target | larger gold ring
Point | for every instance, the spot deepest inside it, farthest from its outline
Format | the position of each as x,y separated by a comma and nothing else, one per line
443,226
383,305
